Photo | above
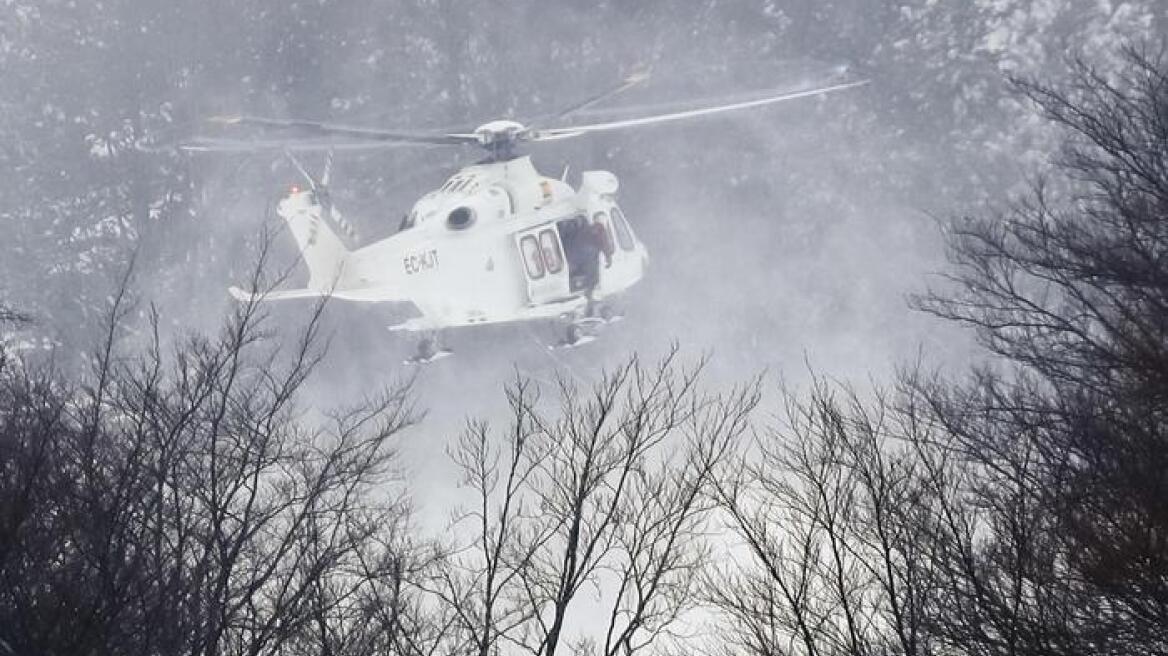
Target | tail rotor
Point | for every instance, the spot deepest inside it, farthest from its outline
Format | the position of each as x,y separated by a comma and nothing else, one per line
322,195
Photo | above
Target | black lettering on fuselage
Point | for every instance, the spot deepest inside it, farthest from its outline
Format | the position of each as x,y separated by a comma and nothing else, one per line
419,262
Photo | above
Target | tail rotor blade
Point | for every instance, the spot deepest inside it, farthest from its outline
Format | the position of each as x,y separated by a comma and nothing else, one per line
328,169
312,183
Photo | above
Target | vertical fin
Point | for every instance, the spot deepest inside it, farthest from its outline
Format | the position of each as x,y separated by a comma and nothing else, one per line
322,250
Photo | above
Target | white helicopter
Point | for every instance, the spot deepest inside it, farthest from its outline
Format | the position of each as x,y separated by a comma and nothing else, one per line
497,243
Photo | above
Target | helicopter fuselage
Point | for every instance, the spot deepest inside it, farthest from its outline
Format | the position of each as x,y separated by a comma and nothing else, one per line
498,242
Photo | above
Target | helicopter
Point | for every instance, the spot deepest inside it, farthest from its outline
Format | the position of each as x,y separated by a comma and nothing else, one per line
498,242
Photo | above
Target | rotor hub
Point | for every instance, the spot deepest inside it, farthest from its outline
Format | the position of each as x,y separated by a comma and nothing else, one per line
499,132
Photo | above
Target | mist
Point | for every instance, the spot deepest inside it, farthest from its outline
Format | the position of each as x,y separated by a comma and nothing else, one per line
785,241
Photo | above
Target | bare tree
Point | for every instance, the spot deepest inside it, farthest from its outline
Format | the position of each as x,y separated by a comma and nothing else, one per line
182,502
1019,512
1070,286
868,527
607,490
833,523
479,579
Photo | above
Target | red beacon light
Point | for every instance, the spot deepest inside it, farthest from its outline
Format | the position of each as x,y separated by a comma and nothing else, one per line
294,190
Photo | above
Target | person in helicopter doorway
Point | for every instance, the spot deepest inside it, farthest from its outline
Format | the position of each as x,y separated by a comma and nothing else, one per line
596,240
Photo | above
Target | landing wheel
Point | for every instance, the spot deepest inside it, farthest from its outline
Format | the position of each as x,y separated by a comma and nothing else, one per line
427,348
574,333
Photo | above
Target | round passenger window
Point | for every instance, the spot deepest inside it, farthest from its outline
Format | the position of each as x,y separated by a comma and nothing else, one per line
460,218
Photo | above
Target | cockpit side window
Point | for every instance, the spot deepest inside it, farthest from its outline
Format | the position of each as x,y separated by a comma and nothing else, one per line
624,235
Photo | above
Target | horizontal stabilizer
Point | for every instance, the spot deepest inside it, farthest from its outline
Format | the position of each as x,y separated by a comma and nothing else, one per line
246,296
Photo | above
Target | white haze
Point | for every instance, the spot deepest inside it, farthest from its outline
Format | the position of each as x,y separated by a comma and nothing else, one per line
783,239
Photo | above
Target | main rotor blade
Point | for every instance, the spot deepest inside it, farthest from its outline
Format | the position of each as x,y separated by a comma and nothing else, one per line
220,145
548,134
372,134
629,82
